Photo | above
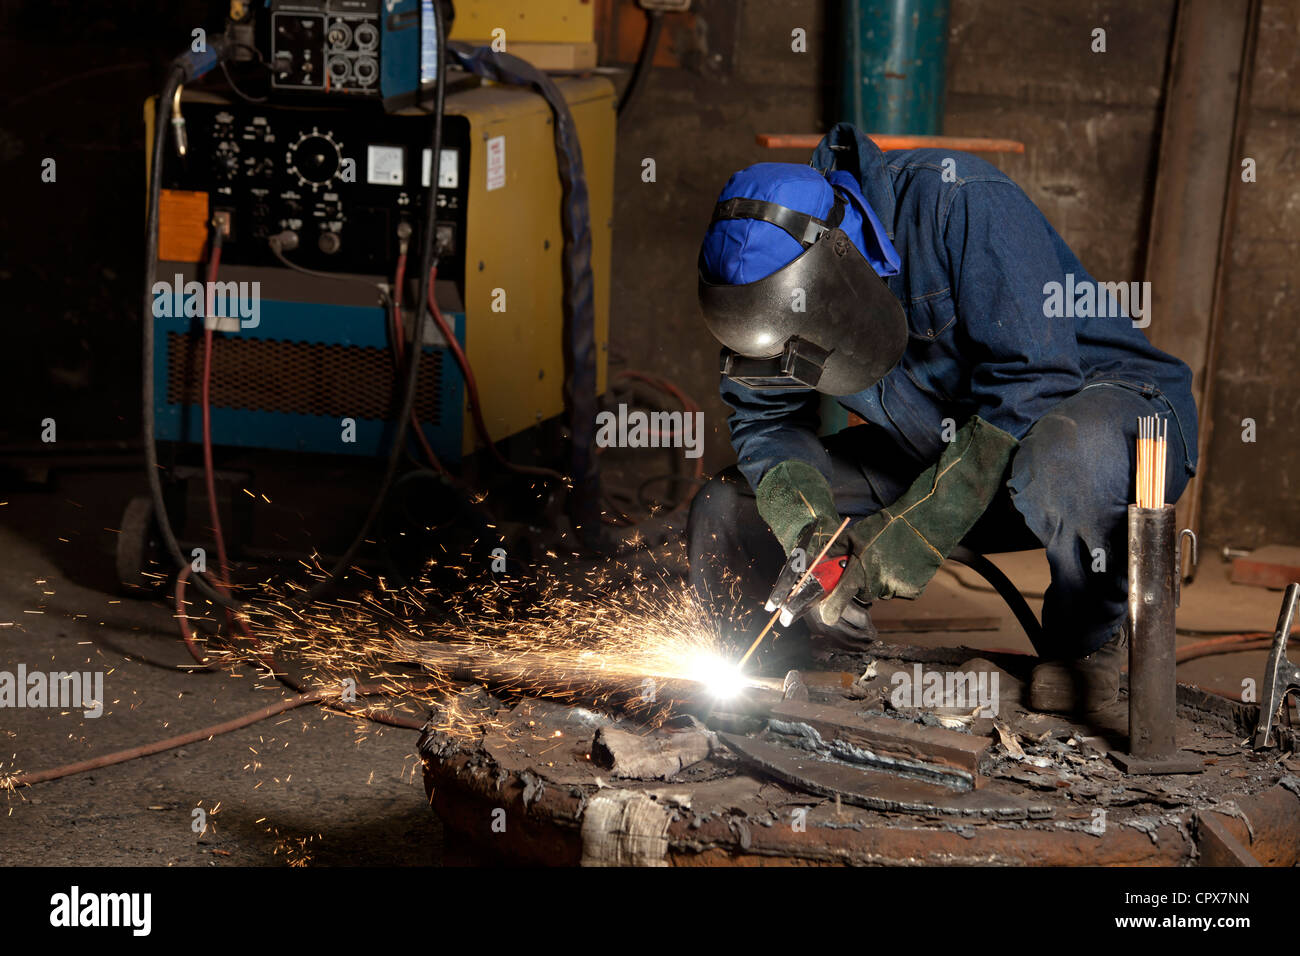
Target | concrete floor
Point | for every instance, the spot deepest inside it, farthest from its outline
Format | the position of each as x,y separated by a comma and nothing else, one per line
307,786
304,787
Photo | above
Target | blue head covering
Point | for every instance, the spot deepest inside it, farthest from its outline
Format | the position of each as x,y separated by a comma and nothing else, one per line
738,251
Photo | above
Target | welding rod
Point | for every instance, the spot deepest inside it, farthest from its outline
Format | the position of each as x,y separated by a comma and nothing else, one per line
798,584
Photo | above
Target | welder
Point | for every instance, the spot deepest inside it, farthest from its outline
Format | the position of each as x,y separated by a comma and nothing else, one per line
921,289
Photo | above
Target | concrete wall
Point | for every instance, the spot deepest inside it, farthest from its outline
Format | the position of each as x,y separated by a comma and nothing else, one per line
1016,69
1252,488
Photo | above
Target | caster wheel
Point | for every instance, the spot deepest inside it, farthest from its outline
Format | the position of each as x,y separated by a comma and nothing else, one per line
140,570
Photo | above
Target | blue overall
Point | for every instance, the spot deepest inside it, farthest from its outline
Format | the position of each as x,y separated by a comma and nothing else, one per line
977,261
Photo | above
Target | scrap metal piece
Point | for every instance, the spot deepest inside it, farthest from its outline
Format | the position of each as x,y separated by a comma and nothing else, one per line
1281,677
935,746
794,688
1217,846
874,789
648,756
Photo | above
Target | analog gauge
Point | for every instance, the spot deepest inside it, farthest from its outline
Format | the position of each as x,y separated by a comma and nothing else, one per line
314,158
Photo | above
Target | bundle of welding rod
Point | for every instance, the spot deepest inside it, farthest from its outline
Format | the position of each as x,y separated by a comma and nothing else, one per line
1152,444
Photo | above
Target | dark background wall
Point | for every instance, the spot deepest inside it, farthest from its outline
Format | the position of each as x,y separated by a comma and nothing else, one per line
69,251
75,77
1089,121
1252,493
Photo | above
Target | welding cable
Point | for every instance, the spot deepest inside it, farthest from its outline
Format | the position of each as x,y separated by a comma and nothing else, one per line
184,69
222,579
428,263
276,244
230,80
696,479
183,620
322,696
205,404
1228,644
471,388
644,61
689,405
397,335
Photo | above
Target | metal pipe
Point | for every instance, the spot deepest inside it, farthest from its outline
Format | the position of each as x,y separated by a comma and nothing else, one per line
893,57
1152,599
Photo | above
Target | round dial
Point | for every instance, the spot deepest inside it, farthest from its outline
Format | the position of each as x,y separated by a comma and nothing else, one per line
314,158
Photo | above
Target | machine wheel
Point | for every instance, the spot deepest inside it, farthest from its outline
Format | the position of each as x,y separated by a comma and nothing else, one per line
140,570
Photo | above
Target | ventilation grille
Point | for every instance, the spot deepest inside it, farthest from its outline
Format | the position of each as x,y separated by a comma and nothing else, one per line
304,378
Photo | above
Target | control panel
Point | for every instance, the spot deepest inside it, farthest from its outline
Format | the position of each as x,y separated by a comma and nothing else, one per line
326,46
341,180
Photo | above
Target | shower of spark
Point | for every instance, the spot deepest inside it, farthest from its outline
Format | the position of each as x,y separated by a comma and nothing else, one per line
622,640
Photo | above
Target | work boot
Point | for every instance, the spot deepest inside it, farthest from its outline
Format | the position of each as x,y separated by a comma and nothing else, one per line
1082,685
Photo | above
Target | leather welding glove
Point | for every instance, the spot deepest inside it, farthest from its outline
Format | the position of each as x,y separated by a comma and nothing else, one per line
792,495
895,552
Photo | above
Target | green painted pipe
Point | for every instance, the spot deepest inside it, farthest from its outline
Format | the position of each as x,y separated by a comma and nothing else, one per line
892,54
892,74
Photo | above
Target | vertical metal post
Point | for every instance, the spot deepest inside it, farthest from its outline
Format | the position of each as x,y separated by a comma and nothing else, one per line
892,57
892,77
1153,570
1152,544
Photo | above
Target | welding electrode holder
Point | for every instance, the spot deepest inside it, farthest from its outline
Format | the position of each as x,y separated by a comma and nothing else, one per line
1154,578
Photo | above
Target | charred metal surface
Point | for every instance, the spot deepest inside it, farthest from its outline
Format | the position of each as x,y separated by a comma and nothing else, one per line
1218,846
519,784
875,789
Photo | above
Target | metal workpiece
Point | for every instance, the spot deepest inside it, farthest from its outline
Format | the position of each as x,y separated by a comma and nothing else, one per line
1153,589
1281,677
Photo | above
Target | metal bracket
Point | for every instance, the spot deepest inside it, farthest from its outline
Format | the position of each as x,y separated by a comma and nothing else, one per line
1178,565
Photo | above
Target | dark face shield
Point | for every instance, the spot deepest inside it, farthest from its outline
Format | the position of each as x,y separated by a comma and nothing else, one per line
850,333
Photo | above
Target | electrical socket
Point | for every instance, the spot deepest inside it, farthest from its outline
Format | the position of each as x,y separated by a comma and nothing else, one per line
225,221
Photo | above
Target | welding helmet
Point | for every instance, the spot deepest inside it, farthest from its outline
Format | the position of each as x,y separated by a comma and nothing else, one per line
790,282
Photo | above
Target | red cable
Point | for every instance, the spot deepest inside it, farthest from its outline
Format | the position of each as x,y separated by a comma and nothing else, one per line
321,695
398,337
471,387
209,471
183,617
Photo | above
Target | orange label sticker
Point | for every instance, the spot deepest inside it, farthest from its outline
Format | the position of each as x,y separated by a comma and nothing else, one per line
182,225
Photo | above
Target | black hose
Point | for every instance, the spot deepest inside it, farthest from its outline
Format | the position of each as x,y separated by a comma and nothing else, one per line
428,257
177,75
644,62
1007,591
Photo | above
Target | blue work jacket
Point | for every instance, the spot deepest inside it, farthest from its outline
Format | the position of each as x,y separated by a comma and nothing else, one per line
978,261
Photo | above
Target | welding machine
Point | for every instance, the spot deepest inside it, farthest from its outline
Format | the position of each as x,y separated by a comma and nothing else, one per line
367,48
346,183
278,297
